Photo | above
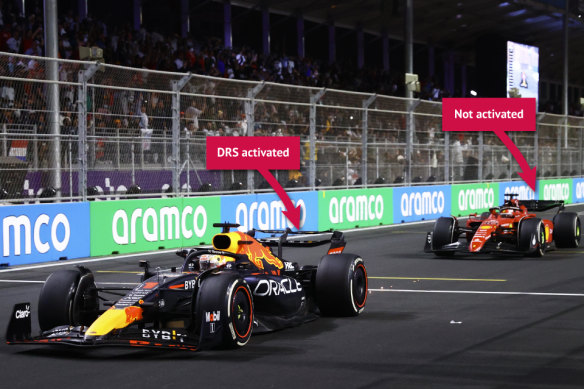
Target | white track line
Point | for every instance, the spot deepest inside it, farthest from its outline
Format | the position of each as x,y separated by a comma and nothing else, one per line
23,281
42,282
479,292
88,260
376,290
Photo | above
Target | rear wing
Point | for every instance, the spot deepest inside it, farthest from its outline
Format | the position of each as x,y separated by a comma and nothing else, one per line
291,238
542,205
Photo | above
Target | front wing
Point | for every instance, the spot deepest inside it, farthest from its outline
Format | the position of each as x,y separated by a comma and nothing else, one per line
19,332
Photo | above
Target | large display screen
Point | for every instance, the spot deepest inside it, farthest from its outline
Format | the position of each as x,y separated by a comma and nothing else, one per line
522,70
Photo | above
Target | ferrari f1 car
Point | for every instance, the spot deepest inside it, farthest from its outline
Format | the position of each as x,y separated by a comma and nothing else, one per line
511,228
217,299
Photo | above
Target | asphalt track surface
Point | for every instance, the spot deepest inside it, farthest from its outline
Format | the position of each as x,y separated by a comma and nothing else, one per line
476,322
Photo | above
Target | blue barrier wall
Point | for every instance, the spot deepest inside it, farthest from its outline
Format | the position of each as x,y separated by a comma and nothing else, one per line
48,232
44,232
578,190
264,211
421,203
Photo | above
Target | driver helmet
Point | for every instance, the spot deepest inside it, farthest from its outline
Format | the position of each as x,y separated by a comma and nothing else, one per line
507,212
210,261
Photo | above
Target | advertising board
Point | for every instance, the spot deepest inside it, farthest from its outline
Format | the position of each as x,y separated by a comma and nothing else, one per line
474,198
128,226
340,209
421,203
44,232
264,211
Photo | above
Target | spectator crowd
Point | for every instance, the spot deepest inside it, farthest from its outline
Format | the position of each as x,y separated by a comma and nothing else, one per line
114,111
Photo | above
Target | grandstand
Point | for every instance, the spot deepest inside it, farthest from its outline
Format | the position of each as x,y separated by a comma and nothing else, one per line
136,124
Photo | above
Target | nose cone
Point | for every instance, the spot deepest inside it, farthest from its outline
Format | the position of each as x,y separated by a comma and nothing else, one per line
112,319
481,237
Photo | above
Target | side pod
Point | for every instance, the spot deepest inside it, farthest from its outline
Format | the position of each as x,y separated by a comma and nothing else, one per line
19,327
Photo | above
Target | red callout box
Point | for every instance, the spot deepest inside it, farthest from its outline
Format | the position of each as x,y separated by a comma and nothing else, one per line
488,114
253,152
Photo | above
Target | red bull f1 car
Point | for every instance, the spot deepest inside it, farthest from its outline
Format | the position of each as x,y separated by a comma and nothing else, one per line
512,228
217,299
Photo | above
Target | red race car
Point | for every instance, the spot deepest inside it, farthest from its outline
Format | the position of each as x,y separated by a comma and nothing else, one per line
511,228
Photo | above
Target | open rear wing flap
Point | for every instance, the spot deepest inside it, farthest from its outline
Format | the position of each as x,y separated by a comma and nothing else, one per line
291,238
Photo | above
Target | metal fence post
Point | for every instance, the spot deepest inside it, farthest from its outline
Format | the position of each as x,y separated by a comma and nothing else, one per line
35,145
4,141
82,136
559,150
540,117
481,157
312,138
177,86
250,119
364,136
446,157
580,146
410,129
84,76
90,132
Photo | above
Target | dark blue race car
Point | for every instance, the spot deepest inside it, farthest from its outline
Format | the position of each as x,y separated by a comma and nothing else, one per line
218,298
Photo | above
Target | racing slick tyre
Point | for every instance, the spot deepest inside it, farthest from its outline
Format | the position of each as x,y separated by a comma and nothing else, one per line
567,230
445,232
223,311
341,285
68,297
531,237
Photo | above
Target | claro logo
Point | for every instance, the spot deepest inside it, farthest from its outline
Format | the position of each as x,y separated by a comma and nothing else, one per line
267,216
355,208
422,203
523,192
168,224
23,228
556,191
470,199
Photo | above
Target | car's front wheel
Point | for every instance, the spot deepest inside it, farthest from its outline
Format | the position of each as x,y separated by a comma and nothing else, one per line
224,311
532,237
68,297
445,232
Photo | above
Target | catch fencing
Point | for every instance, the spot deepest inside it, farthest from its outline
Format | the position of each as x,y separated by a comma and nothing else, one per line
125,133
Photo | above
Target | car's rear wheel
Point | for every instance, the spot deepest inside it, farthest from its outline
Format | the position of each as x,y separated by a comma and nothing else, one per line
68,297
567,230
445,232
224,311
341,285
531,237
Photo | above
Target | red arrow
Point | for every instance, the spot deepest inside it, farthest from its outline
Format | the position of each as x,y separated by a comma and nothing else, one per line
527,173
291,212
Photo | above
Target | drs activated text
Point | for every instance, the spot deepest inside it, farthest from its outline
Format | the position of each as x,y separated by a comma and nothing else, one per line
252,153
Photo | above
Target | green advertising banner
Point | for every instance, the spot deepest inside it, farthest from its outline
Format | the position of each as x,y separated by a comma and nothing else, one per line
474,198
339,209
129,226
556,190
